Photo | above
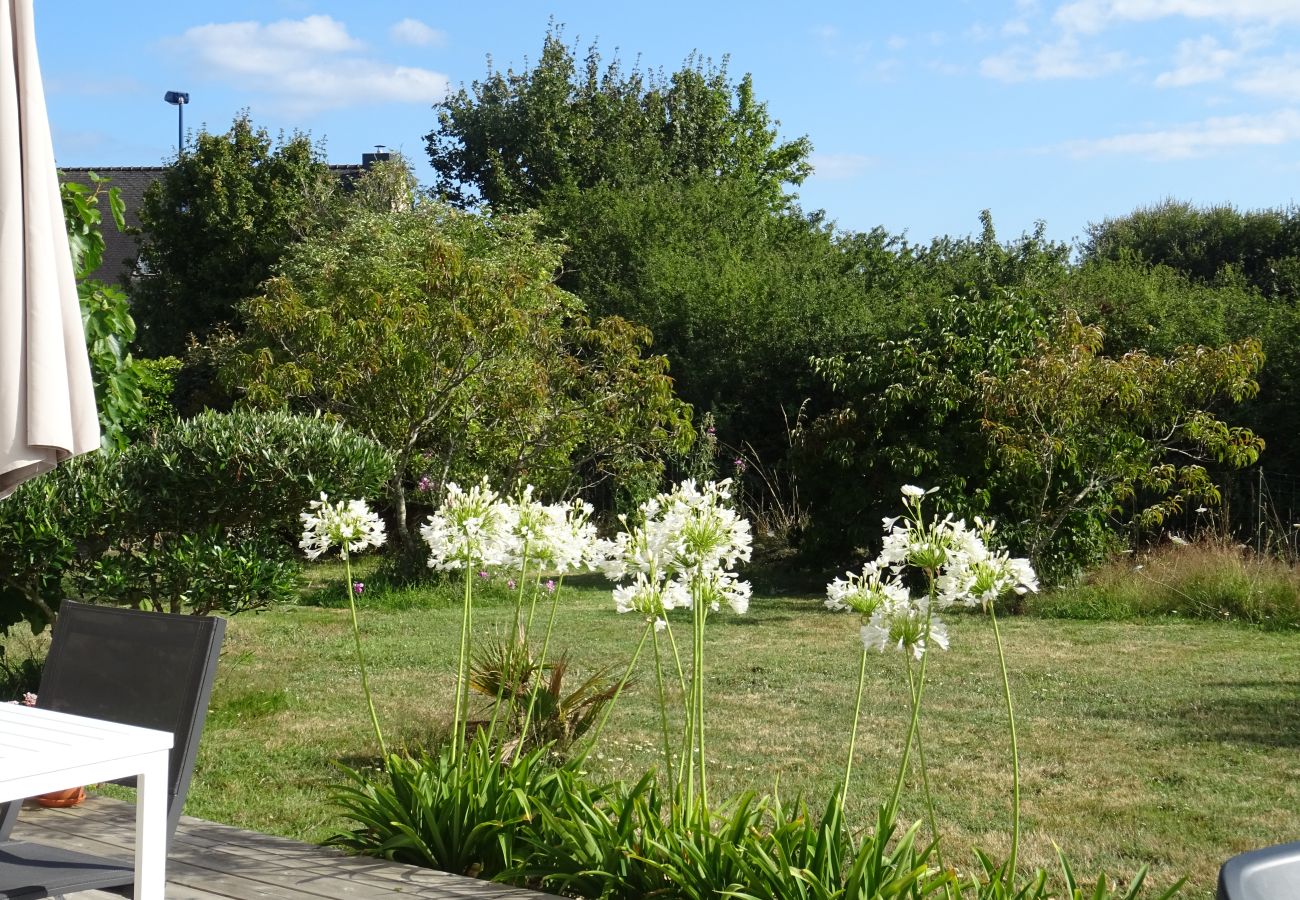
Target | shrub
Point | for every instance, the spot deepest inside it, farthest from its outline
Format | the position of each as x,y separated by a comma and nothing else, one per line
198,518
1209,579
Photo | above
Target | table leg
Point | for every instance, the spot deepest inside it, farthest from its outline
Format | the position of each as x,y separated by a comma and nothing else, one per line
151,829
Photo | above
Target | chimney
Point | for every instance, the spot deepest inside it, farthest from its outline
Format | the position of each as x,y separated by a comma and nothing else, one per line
369,159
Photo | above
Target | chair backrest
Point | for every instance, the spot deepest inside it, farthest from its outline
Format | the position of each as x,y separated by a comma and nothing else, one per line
1270,873
154,670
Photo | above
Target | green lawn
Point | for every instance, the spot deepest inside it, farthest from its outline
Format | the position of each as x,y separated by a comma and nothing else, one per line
1170,744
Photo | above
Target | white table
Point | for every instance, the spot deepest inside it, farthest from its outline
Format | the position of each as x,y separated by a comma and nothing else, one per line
42,751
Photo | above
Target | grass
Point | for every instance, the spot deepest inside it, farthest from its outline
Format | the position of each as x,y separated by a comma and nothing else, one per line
1172,743
1209,579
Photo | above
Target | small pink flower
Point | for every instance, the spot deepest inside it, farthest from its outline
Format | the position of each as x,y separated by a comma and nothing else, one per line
424,485
29,699
483,573
550,586
510,583
358,587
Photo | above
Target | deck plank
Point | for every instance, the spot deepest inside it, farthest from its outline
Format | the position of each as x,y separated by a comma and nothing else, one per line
209,861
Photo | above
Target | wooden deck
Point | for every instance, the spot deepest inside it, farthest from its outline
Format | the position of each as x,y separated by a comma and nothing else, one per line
217,862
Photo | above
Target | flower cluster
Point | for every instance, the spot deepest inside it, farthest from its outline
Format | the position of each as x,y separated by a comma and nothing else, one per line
680,551
482,530
348,525
959,565
472,529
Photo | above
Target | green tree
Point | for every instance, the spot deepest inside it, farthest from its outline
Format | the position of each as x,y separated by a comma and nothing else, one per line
215,225
737,297
509,139
440,335
1013,412
1201,242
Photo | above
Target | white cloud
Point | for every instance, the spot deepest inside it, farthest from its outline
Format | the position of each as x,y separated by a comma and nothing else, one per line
415,33
1092,16
1015,28
826,32
1278,77
840,166
1197,62
308,64
896,42
1062,59
1195,139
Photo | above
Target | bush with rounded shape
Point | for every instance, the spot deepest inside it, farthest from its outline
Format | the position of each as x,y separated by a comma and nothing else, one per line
199,518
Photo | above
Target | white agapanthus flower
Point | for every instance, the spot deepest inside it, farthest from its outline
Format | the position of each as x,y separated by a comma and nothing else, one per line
864,592
720,587
472,529
908,627
956,556
349,525
568,537
685,543
528,520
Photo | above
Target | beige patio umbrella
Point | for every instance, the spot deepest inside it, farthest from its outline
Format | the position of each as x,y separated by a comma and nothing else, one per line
47,398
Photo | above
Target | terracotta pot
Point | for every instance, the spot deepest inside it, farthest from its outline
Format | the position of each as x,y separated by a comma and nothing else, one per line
63,799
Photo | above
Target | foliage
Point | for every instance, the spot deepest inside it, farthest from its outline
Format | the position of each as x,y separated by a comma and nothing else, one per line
1071,426
1017,415
562,124
440,335
1262,245
1206,579
105,312
529,692
157,385
737,296
458,813
215,225
121,527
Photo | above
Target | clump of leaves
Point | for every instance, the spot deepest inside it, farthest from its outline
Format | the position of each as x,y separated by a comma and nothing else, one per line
530,701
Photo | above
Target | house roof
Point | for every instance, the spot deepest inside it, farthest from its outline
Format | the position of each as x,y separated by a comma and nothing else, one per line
122,248
119,249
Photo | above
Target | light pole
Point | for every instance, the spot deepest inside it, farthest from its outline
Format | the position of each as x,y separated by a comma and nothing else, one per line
178,99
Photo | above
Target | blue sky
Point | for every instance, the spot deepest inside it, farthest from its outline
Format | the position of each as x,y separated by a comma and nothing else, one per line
921,114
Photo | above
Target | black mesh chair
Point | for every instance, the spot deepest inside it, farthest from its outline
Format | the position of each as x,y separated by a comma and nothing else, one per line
1272,873
153,670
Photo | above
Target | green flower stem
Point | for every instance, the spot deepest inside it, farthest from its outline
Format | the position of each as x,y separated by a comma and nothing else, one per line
914,725
528,712
700,609
677,658
462,677
687,742
1015,755
618,691
519,597
361,659
550,622
853,732
532,608
663,715
514,642
925,780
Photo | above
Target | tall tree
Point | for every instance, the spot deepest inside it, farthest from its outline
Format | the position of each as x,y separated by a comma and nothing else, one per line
215,225
1263,246
440,334
512,137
